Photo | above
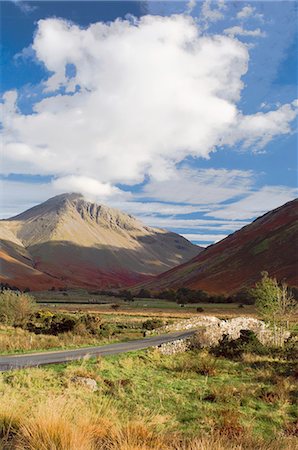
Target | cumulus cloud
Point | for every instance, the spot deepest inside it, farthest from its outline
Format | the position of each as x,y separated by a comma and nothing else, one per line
257,130
158,74
238,30
143,95
212,12
245,12
128,101
89,187
248,12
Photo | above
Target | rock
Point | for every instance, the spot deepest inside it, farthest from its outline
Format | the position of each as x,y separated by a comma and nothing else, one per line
89,383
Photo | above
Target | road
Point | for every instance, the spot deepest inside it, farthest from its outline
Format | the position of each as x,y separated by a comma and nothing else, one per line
57,357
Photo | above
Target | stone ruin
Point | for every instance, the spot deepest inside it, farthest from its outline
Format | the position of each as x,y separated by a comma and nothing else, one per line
210,330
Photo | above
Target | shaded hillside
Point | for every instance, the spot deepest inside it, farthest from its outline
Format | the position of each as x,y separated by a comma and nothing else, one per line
269,243
68,241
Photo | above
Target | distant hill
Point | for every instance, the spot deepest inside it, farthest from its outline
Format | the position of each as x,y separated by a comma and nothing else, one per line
68,241
269,243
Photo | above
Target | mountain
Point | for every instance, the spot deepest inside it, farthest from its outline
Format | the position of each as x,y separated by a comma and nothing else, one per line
68,241
269,243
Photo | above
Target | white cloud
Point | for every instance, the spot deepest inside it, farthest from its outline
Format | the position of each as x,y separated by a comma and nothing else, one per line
193,224
133,78
152,208
258,129
89,187
238,30
24,6
256,203
17,196
246,11
202,186
249,12
212,12
152,91
204,237
190,6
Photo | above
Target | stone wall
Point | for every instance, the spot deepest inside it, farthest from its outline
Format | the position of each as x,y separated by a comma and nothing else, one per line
210,329
178,346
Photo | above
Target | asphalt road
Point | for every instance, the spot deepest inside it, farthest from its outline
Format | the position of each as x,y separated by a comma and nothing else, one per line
63,356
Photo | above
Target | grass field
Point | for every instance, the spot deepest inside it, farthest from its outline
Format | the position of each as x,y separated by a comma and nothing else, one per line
147,307
148,401
143,400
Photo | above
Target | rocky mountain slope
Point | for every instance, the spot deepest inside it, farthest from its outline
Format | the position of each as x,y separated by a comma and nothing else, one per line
68,241
269,243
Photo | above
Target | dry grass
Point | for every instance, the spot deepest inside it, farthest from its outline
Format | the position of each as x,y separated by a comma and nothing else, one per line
68,423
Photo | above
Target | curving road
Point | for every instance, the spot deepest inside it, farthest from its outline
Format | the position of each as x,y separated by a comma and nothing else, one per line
63,356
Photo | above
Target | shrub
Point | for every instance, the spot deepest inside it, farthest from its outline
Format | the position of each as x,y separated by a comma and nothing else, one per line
15,307
199,309
246,343
290,348
152,324
115,306
45,322
126,295
108,330
144,293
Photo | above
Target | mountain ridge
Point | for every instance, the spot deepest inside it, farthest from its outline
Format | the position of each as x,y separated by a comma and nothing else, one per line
81,243
269,243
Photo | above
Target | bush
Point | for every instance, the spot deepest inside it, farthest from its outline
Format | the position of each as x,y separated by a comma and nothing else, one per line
144,293
152,324
290,348
44,322
199,309
246,343
16,307
126,295
243,297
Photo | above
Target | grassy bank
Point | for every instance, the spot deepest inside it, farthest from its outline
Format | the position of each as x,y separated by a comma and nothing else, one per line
146,400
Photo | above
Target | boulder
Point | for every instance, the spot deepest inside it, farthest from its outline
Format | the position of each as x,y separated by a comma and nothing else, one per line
89,383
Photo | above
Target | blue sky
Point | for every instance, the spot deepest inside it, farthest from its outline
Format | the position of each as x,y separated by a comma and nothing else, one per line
182,114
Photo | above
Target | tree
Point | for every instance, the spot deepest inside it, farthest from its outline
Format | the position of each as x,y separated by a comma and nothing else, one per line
127,296
15,307
275,303
144,293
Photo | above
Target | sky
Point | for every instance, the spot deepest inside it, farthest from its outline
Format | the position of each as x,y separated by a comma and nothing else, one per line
183,114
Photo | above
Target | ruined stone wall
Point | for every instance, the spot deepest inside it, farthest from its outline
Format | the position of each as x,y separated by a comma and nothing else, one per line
210,329
178,346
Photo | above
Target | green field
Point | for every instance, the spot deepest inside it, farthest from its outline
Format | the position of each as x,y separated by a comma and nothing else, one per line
149,401
81,299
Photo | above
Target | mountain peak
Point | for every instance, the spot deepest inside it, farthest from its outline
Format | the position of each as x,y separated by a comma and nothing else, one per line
80,243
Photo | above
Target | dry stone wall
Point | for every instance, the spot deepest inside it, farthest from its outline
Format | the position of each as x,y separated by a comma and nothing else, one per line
210,329
178,346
